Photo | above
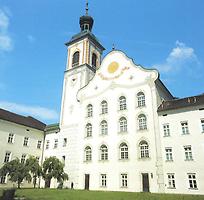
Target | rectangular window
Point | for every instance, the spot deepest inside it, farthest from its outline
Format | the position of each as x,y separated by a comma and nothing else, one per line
23,158
103,180
188,153
7,156
192,181
47,144
56,143
11,138
169,155
3,179
124,180
202,125
25,142
39,144
64,142
171,180
184,127
166,130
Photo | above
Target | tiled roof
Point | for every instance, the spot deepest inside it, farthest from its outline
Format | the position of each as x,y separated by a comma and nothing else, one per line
182,103
22,120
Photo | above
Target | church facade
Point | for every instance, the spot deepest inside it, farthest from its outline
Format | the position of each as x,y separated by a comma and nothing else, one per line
120,127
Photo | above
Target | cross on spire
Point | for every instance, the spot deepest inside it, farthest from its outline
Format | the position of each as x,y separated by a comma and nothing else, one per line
87,7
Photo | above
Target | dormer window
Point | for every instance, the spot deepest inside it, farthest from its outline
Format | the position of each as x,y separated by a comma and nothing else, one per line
75,59
94,60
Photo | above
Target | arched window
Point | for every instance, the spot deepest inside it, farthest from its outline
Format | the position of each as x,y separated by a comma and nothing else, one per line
104,107
94,59
75,59
104,152
144,149
122,124
88,153
122,103
104,127
88,130
142,121
123,151
89,110
140,99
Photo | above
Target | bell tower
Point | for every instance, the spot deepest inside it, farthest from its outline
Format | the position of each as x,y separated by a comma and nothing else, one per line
83,59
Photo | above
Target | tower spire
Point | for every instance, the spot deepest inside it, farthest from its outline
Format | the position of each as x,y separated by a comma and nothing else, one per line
87,7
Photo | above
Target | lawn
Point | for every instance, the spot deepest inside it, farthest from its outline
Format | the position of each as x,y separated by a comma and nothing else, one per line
54,194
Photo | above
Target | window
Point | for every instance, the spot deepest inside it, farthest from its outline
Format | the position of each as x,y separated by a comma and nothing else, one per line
171,180
56,143
202,125
140,99
123,151
88,154
184,126
122,124
192,181
122,103
188,153
3,179
103,180
23,158
7,156
75,59
142,121
169,155
104,107
64,142
166,130
88,130
11,138
39,144
104,152
144,149
25,142
94,60
124,181
89,110
47,144
104,127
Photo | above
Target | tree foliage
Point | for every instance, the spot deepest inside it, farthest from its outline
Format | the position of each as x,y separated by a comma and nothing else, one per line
53,168
34,168
16,171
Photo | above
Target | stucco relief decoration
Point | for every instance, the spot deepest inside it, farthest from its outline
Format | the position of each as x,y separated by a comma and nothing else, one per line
113,71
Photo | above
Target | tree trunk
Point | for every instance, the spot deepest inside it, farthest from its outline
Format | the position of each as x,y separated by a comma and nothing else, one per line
19,185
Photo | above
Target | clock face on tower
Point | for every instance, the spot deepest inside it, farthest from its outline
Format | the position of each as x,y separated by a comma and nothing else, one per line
112,71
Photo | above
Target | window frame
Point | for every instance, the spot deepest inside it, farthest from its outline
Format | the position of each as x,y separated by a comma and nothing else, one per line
124,180
55,144
104,127
141,101
104,107
169,154
188,153
89,130
122,103
171,181
39,144
123,149
88,154
185,128
142,122
103,152
144,149
26,141
75,59
11,138
192,181
89,110
122,124
7,157
166,130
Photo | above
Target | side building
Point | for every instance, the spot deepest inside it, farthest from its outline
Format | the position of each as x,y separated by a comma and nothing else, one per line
20,137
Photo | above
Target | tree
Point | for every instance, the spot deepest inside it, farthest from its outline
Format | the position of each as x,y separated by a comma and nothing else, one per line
16,171
53,168
34,168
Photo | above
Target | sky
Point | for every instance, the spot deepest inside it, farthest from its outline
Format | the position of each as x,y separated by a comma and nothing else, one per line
166,35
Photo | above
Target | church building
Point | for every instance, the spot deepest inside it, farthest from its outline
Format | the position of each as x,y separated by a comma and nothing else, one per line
120,128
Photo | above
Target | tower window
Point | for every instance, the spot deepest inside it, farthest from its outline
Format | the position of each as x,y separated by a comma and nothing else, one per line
94,60
75,59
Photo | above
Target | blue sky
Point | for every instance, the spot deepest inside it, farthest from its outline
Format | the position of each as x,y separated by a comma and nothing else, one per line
167,35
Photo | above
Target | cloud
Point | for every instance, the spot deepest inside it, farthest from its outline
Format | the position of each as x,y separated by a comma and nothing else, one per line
5,39
180,57
34,111
31,38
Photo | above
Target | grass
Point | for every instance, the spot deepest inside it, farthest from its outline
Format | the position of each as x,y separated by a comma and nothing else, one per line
65,194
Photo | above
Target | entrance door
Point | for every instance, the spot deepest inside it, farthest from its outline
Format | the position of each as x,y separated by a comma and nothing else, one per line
87,176
145,182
